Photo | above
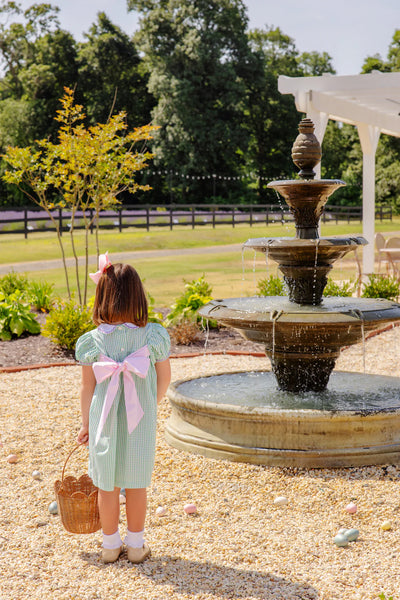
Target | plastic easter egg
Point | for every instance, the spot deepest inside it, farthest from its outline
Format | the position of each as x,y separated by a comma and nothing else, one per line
53,508
190,509
352,534
351,508
161,511
386,526
341,540
12,458
281,500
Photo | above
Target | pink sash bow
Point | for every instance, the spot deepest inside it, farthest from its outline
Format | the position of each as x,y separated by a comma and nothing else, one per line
138,363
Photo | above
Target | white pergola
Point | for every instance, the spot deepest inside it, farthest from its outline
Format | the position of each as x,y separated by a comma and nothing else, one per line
371,102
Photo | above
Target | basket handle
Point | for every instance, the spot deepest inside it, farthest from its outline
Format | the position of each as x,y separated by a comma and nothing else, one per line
67,459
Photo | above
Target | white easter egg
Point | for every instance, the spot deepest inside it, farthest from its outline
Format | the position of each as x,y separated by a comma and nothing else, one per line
281,500
53,508
36,475
161,511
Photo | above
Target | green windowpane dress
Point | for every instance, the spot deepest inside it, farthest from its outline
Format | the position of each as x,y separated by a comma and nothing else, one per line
121,459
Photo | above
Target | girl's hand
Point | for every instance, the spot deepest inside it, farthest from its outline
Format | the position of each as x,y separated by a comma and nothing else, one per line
83,436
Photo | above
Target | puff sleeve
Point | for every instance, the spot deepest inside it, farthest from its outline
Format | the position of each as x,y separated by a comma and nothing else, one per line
86,351
159,343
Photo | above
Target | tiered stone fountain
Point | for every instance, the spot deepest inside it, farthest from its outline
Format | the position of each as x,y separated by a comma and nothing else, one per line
299,414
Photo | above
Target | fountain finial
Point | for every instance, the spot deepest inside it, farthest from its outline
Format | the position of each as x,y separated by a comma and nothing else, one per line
306,150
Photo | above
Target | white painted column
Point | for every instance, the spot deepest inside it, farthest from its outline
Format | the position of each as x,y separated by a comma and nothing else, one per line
369,137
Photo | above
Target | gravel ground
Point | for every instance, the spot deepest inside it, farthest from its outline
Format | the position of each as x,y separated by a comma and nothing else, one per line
238,546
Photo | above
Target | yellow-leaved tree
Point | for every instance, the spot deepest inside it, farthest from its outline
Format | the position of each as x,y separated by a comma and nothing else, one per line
86,170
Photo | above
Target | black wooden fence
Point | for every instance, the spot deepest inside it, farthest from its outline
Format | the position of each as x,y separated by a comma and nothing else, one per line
29,220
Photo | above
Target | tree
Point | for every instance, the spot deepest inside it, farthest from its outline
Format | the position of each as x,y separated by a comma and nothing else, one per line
112,75
197,54
271,118
314,64
88,167
17,40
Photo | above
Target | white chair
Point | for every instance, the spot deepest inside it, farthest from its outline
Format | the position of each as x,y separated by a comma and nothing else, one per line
394,259
380,243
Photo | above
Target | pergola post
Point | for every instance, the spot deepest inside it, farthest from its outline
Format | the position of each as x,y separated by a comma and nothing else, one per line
369,137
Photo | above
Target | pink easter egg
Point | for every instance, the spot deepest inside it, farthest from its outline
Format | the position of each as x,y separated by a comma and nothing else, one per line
351,508
12,458
190,509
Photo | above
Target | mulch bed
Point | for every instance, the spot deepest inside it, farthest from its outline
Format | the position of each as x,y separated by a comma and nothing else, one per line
39,350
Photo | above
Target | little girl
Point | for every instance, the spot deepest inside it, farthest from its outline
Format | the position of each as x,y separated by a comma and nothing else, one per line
125,373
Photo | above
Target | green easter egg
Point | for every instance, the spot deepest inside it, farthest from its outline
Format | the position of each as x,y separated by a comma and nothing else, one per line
341,540
352,534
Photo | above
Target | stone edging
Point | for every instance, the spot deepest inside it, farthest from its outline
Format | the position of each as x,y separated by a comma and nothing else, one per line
19,368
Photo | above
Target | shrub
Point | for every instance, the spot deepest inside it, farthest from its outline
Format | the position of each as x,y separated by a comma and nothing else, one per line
153,315
341,288
41,295
185,332
16,317
381,286
197,293
66,322
271,286
12,283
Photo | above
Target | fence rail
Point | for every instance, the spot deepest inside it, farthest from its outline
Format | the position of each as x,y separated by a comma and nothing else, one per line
30,219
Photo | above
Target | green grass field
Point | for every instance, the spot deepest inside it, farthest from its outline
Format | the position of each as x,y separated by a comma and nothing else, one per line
164,275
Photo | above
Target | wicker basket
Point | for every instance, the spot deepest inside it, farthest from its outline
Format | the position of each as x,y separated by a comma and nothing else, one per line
77,502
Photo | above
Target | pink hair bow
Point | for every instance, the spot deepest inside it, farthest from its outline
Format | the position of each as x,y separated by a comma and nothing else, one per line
104,263
138,363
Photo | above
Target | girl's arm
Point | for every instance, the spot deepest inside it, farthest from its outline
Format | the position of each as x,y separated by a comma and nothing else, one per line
87,388
163,370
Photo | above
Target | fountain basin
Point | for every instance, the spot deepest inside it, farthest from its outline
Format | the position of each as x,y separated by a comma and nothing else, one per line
306,200
244,417
304,252
305,263
303,341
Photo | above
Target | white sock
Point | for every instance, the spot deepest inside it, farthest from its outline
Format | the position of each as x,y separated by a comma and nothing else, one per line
110,542
134,539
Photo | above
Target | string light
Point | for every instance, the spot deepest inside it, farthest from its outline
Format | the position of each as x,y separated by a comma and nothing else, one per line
216,176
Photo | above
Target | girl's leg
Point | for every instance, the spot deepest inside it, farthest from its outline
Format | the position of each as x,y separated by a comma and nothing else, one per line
109,510
136,506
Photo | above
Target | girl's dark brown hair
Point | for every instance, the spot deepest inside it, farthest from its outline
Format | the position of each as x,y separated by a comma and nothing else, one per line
120,297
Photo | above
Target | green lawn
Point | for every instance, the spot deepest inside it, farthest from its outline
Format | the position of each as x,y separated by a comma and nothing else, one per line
44,246
164,276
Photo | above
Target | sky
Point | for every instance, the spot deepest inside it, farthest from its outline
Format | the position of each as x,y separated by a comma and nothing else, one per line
348,30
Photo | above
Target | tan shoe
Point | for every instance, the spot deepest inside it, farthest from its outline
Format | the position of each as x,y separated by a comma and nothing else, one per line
138,555
110,555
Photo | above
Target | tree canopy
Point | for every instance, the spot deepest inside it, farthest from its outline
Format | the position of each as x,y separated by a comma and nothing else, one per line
194,69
